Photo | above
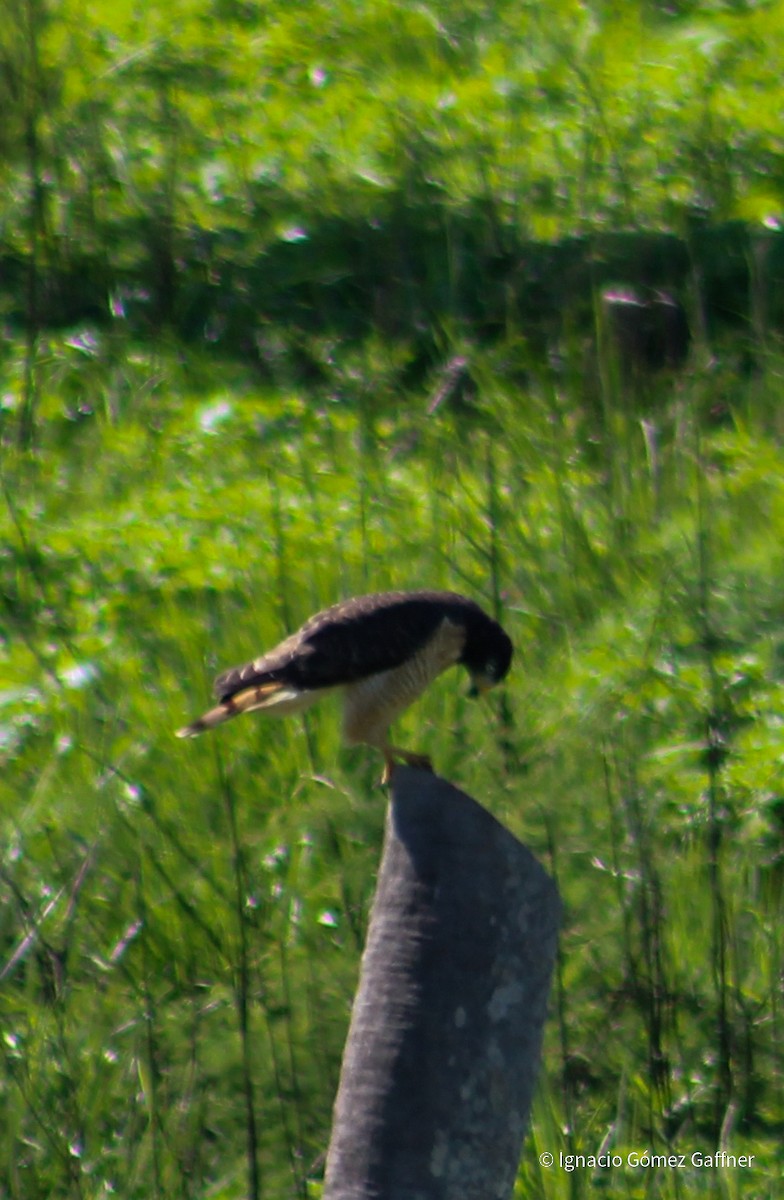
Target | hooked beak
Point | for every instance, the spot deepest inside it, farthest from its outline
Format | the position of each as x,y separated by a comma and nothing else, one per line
480,685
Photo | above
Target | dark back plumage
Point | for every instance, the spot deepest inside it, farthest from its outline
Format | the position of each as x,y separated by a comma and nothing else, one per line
370,634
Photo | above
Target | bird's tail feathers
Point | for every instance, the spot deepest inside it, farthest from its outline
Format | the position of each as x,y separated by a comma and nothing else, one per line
264,695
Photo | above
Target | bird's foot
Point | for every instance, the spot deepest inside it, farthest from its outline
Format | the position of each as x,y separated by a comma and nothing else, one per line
420,761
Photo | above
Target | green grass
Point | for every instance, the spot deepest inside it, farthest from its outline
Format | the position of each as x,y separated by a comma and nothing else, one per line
181,923
234,118
346,198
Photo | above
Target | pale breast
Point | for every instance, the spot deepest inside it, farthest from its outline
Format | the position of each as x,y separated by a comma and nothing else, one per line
372,704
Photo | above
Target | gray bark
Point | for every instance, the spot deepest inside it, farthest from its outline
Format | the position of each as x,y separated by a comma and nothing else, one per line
443,1050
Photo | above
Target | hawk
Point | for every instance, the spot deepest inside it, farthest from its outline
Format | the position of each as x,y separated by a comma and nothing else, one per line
381,651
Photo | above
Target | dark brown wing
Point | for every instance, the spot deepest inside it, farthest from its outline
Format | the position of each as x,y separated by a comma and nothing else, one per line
359,637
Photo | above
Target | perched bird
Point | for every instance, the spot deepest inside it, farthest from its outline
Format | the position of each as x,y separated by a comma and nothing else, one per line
381,651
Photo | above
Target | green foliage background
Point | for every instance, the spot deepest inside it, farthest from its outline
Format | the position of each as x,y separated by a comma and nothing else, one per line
181,923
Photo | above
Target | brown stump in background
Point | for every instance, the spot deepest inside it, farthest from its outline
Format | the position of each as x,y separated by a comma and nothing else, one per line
443,1050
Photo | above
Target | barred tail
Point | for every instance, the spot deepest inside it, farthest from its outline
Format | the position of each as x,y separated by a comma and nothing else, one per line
263,696
216,716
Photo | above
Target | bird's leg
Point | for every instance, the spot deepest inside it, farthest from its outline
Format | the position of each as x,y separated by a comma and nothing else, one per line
392,753
389,767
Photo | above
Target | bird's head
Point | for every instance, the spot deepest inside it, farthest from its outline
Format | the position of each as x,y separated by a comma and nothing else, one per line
487,655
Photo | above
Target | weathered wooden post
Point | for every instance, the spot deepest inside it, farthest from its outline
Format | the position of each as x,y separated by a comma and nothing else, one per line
443,1050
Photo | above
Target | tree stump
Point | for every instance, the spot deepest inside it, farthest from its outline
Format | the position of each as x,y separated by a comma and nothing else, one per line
443,1049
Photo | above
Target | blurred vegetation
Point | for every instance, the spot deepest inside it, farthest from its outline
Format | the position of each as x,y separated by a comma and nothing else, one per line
303,301
223,167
